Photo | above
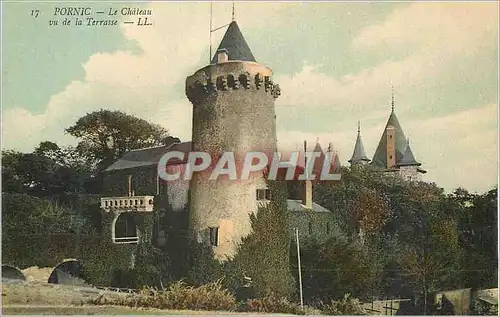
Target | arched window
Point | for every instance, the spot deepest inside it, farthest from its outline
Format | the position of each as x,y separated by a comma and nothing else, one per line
230,81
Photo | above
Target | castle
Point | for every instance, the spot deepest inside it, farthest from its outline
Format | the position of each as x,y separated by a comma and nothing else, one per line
393,154
233,111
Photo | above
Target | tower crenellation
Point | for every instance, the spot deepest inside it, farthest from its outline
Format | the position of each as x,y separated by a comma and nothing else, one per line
228,76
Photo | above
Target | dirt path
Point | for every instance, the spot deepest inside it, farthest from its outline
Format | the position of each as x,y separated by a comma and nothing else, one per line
96,310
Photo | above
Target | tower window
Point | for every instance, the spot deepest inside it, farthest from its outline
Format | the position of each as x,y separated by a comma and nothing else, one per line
390,157
214,236
310,228
390,136
263,194
327,228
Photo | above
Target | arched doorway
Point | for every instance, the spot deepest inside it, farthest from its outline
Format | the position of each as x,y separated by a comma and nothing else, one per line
69,272
125,229
13,273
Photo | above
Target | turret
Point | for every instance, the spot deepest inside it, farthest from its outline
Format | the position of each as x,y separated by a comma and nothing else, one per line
392,144
358,155
409,167
393,152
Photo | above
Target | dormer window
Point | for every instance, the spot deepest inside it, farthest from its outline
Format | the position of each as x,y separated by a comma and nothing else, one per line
222,56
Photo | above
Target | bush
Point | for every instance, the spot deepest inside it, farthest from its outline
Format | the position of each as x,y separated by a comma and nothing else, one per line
271,304
179,295
346,306
479,307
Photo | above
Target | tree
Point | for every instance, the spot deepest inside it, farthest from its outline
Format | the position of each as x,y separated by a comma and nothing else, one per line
106,135
336,267
371,211
264,254
431,259
27,226
12,180
478,236
49,171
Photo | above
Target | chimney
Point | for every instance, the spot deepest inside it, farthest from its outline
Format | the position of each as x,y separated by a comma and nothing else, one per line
222,56
130,185
391,146
307,194
307,186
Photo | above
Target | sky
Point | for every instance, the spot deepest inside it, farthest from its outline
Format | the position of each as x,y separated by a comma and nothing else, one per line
334,61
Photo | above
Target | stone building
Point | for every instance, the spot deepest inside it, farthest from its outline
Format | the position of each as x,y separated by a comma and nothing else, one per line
393,154
233,111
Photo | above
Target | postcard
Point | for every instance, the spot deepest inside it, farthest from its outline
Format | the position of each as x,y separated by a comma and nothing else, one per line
248,157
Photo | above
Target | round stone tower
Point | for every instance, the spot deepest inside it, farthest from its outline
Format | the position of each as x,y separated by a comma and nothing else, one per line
233,111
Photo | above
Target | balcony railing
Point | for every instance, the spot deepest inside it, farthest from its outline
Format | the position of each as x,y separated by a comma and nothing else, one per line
128,203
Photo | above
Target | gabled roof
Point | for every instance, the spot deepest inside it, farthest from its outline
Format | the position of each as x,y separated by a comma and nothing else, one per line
319,161
380,156
358,154
149,156
408,158
235,45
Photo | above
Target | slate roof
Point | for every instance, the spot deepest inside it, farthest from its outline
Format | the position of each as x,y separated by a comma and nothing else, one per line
148,156
380,157
296,205
235,44
318,162
409,158
358,154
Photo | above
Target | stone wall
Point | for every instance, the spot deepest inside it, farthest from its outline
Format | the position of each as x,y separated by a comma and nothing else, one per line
409,173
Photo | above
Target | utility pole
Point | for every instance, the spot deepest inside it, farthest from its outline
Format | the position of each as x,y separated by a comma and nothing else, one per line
299,269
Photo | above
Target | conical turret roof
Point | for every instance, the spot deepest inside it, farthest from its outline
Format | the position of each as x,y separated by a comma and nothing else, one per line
380,156
409,158
359,150
235,45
